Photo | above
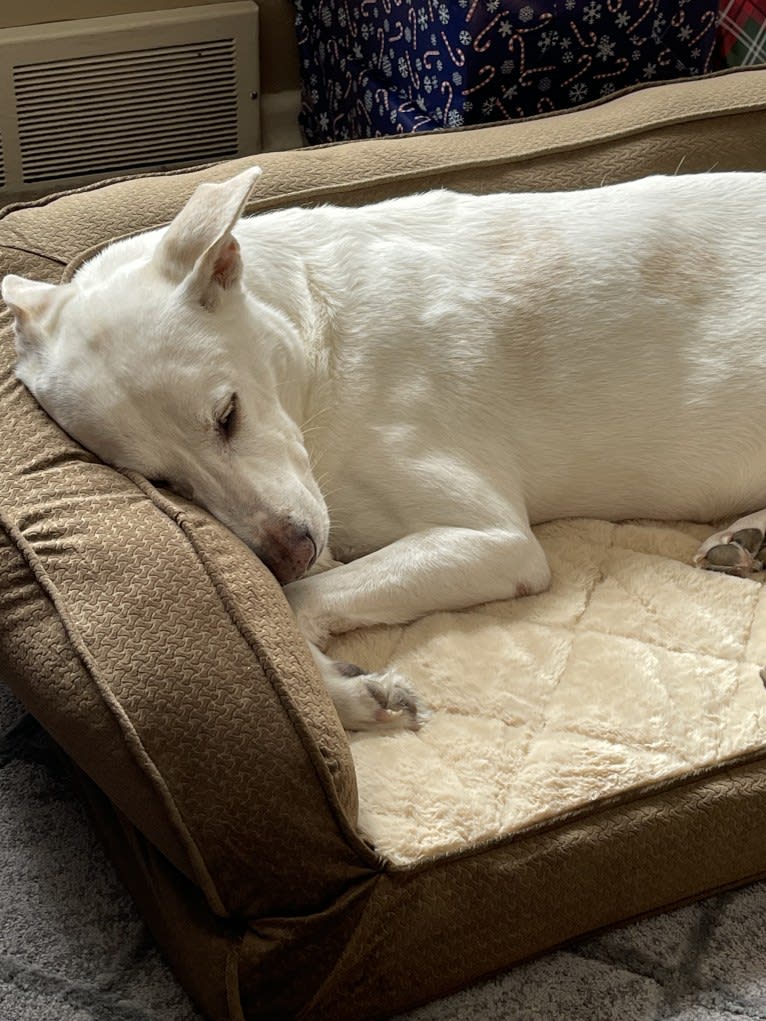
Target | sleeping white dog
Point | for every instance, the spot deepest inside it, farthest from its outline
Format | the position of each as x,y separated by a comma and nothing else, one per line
398,392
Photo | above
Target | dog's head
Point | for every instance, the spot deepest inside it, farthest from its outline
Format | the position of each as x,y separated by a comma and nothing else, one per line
156,359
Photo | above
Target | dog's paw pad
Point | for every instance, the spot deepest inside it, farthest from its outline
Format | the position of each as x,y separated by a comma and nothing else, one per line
750,539
728,554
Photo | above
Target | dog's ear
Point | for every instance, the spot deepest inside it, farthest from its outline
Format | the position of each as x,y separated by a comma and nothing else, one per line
198,248
30,301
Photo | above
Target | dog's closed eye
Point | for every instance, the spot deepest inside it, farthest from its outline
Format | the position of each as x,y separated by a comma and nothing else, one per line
182,488
226,415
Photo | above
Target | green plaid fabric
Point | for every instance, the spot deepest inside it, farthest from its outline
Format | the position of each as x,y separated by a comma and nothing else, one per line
741,33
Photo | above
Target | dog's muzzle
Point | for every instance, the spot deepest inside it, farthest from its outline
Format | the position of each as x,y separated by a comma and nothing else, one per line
288,550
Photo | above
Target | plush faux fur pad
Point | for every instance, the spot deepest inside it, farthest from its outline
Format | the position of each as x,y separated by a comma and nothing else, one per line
634,667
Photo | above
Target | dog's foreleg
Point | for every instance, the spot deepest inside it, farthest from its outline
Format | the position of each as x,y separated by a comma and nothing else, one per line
442,568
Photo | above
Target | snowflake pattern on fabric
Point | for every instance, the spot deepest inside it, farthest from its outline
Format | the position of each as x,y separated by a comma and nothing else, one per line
378,67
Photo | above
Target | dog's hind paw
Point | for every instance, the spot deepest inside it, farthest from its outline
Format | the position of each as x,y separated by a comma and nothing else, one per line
737,550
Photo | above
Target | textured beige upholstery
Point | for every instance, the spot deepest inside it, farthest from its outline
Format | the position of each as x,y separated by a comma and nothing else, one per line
163,659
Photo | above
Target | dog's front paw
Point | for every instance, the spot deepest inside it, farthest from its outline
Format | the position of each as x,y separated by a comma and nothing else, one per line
388,702
737,551
382,701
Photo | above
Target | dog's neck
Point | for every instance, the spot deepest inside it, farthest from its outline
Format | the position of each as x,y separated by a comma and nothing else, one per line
306,357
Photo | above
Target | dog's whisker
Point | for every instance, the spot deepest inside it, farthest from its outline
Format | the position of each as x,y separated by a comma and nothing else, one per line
328,494
313,417
311,430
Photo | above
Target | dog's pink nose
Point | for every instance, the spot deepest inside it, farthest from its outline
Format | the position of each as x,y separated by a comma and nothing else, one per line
288,551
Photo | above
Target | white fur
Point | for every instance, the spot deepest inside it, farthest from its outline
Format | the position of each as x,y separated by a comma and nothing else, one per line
421,380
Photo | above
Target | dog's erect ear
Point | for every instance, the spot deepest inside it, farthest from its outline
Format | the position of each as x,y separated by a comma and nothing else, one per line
30,301
198,247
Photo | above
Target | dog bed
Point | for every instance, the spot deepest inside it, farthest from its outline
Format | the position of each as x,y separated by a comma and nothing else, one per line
596,753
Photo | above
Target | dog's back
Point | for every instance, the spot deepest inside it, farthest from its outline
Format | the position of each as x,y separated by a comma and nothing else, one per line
591,353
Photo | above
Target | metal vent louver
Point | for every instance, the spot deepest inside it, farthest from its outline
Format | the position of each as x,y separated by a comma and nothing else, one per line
127,110
130,93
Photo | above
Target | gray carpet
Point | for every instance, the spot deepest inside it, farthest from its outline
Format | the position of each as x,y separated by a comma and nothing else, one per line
72,947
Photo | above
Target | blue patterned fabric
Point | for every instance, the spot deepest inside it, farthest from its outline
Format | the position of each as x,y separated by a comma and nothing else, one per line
377,67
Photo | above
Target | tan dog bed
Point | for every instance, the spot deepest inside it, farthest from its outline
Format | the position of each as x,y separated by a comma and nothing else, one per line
596,752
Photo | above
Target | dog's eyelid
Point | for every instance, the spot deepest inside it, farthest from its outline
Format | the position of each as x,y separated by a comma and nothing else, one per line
226,416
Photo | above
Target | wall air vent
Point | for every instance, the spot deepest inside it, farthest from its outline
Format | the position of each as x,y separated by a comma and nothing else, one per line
117,95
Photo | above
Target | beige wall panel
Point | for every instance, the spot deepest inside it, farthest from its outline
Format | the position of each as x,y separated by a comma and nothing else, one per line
34,12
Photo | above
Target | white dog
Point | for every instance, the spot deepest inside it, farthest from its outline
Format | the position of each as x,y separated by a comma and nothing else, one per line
399,391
